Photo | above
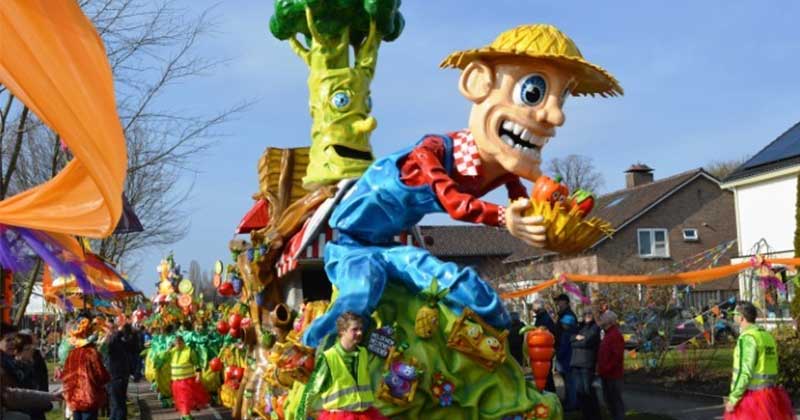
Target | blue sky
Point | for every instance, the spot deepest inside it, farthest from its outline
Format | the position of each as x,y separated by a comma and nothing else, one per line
704,81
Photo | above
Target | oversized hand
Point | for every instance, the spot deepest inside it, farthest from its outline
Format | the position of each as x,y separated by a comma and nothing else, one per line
527,228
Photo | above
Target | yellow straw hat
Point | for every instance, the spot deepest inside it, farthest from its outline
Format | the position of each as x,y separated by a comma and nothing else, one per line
543,42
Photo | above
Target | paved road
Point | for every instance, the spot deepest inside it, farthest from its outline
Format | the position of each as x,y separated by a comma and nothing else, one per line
150,408
679,407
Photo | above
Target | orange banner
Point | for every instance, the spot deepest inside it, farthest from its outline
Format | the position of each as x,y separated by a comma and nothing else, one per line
52,59
689,277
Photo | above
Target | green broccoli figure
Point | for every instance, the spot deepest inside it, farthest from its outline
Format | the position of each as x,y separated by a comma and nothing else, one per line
339,95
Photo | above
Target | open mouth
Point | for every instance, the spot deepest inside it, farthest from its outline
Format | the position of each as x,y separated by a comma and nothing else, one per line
520,138
346,152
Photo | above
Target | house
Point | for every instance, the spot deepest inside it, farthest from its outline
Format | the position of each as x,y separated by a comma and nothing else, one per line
765,195
482,247
678,223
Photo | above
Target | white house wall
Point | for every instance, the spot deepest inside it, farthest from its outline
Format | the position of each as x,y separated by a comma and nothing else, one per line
766,209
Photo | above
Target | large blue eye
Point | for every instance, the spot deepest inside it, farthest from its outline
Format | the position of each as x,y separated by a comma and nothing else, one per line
340,100
530,90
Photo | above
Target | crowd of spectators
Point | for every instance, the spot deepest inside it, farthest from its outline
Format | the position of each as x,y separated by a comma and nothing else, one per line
25,391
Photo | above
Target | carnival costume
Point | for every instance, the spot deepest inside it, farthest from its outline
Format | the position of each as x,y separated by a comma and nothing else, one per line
754,390
84,377
187,392
158,358
341,381
440,173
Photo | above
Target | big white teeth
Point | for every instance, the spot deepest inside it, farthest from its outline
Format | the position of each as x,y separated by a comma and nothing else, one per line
518,129
506,138
526,135
508,125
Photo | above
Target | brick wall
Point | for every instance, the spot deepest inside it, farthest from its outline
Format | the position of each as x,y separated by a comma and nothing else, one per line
701,205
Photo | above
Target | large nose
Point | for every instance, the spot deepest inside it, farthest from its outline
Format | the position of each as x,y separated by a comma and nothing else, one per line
551,112
365,126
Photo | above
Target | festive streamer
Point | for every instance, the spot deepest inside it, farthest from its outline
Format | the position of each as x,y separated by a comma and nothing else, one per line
574,290
691,277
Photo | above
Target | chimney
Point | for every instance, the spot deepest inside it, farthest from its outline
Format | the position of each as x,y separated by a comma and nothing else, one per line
638,174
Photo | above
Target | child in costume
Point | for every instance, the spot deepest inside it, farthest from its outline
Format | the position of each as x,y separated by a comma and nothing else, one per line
84,377
755,393
341,377
187,391
518,86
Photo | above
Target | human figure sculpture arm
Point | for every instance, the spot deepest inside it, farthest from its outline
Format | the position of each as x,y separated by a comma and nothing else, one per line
429,169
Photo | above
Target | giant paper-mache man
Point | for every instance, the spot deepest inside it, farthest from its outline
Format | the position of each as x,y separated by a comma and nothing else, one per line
518,86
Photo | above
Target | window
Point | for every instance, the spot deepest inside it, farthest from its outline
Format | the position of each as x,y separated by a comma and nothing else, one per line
690,235
653,243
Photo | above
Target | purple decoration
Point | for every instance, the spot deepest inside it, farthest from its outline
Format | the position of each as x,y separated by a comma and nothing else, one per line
404,370
400,390
20,246
393,381
767,281
236,282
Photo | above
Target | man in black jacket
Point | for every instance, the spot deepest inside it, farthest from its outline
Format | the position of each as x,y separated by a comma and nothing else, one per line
515,339
584,358
566,327
118,364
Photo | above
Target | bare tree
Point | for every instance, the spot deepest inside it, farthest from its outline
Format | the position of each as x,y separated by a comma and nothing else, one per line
577,172
152,50
722,168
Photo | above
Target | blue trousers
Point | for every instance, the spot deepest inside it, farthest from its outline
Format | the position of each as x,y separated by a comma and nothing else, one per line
586,396
84,415
360,272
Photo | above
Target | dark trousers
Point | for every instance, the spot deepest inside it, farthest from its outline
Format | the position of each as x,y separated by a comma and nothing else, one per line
587,398
612,394
117,399
570,398
84,415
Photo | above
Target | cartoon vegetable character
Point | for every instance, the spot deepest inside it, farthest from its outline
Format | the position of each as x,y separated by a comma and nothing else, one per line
540,349
582,200
427,320
339,94
549,190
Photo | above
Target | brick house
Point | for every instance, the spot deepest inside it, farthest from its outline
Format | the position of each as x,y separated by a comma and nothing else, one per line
660,224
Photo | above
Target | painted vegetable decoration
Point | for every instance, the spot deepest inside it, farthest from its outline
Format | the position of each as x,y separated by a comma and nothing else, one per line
427,320
583,201
338,41
539,345
549,190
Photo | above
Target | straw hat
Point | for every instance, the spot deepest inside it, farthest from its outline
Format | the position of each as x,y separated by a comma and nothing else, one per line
543,42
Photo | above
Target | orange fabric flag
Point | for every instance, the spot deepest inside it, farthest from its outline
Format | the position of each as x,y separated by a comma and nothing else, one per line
688,277
52,59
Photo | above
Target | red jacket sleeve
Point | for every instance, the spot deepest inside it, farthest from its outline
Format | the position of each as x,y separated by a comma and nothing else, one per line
604,358
424,166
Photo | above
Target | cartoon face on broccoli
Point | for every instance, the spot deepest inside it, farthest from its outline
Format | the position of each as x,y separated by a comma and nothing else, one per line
339,94
341,125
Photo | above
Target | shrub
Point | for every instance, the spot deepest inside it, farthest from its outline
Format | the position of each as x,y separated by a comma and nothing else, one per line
788,342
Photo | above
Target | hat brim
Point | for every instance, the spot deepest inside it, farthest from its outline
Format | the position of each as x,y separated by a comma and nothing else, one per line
591,79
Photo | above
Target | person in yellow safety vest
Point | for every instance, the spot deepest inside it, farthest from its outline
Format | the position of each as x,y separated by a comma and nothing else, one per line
755,393
187,391
341,378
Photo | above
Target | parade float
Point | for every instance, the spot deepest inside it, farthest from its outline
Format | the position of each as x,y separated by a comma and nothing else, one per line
216,334
333,231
